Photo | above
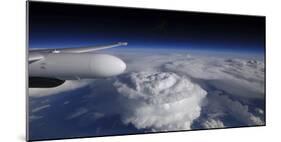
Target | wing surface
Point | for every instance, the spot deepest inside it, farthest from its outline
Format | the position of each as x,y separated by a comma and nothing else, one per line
79,49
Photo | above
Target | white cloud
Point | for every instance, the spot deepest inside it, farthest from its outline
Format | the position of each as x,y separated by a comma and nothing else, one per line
34,117
77,113
260,111
67,86
160,92
159,100
244,78
40,108
221,103
212,123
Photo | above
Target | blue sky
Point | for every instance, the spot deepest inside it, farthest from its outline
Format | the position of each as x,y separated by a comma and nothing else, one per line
60,26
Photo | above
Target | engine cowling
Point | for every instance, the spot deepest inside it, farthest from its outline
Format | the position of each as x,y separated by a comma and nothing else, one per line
43,82
68,66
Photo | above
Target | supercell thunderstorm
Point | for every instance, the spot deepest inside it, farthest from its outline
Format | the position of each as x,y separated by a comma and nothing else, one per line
160,100
157,93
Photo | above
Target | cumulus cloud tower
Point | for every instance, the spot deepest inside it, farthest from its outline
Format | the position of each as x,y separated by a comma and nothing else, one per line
159,101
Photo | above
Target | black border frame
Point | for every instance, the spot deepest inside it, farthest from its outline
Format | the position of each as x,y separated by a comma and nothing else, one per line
155,9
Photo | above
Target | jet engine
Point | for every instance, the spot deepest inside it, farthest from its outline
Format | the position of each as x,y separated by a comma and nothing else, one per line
70,66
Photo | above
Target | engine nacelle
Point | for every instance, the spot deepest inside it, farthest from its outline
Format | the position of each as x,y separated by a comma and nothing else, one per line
68,66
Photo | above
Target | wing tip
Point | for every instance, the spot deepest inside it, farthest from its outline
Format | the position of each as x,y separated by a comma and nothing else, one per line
123,43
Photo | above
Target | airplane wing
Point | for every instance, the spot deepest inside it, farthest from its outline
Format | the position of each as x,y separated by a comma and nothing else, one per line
36,56
79,49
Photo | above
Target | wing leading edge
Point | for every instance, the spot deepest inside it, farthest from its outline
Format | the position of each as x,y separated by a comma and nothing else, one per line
88,49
